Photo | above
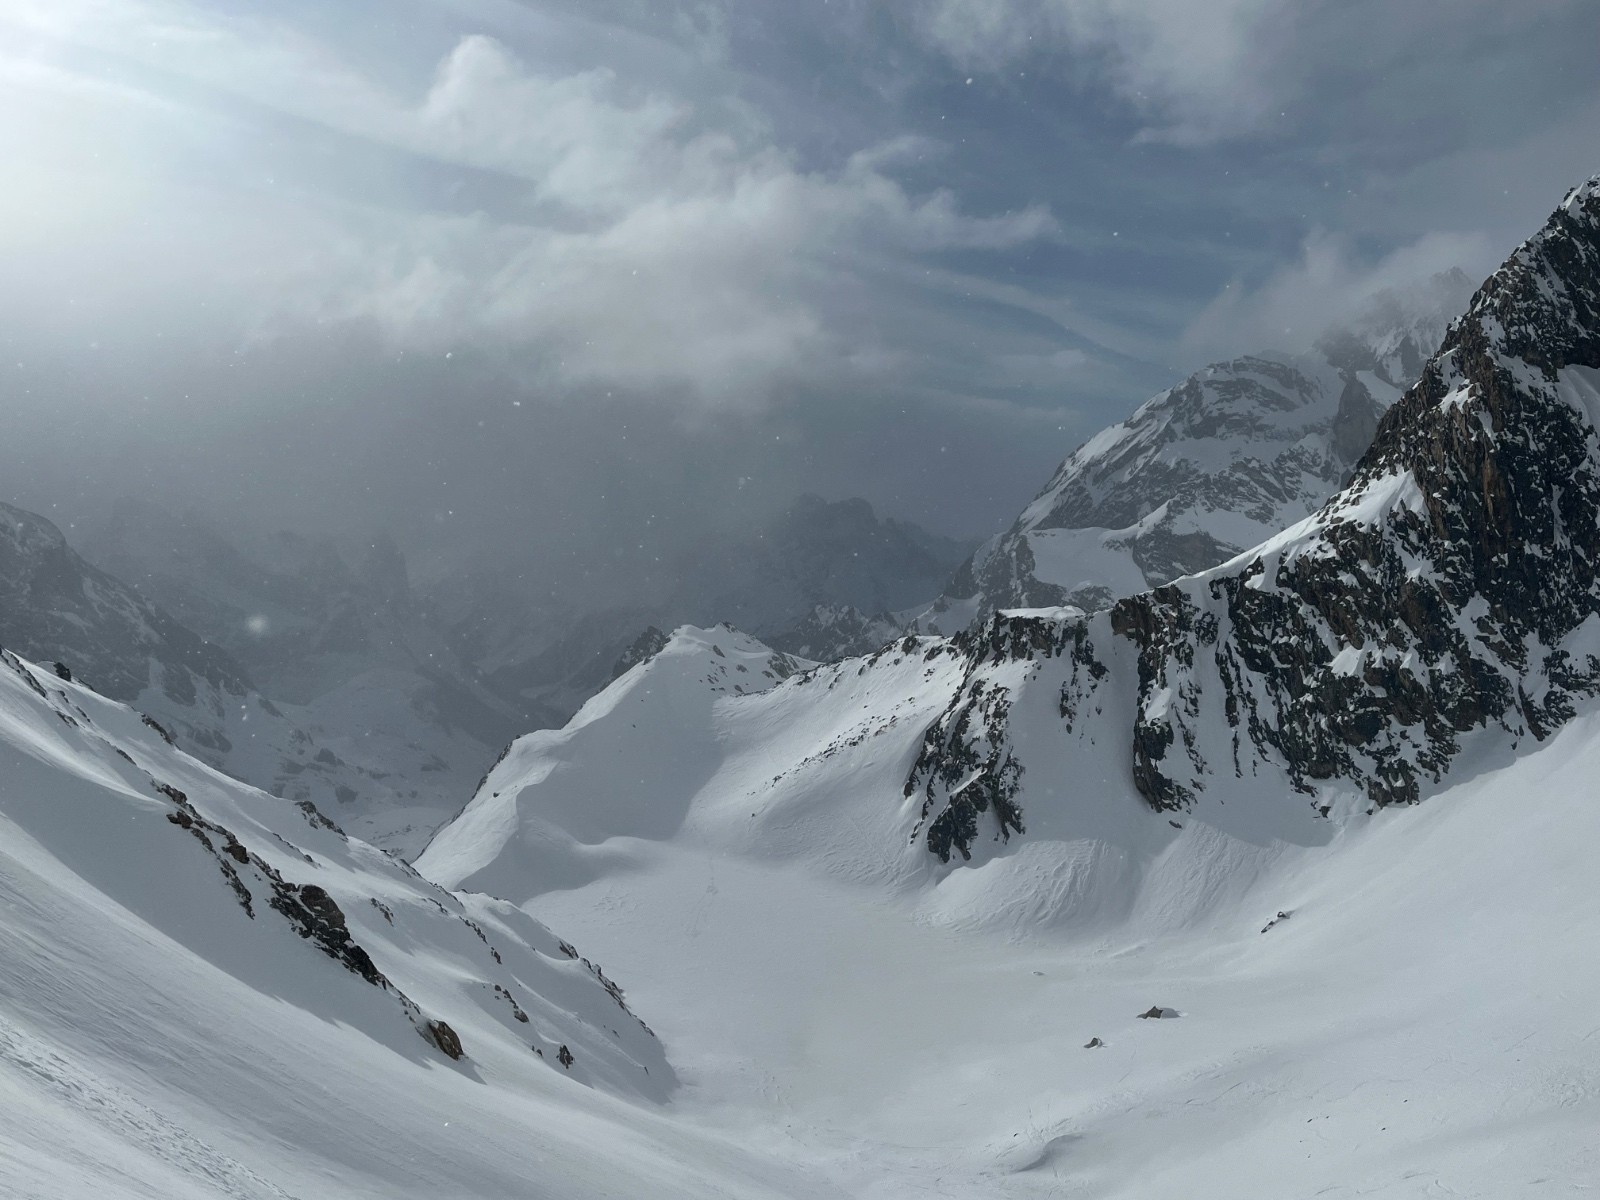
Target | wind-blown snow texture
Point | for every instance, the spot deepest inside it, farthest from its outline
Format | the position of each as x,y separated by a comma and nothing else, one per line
1203,470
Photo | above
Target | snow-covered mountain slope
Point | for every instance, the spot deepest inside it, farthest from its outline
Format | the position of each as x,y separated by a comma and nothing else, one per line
209,991
387,749
1218,463
1413,1027
930,876
1445,603
636,754
840,996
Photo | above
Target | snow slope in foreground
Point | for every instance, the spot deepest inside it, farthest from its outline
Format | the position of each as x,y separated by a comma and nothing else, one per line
1419,1025
207,991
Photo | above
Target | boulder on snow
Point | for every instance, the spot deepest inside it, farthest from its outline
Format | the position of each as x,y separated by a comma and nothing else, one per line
62,671
445,1039
1093,1043
1157,1013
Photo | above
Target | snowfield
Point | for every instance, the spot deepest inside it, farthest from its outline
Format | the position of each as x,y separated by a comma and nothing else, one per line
835,998
844,1016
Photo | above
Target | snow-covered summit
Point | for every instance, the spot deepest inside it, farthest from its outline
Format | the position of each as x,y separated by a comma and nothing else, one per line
1224,459
632,755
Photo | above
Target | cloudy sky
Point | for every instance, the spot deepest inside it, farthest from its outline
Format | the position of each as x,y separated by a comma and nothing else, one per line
568,273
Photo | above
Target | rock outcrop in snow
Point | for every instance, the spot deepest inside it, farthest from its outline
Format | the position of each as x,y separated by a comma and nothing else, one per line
1452,587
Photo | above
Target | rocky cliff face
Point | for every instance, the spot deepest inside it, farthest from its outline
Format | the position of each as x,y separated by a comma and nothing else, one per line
1232,454
1450,590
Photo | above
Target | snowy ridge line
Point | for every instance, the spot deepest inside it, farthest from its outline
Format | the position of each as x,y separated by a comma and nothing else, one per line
1453,586
366,910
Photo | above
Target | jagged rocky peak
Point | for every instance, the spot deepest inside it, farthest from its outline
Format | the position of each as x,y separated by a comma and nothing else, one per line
1396,331
1236,451
1450,590
644,647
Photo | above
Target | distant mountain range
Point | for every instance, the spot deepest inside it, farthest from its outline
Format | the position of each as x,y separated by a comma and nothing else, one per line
1229,456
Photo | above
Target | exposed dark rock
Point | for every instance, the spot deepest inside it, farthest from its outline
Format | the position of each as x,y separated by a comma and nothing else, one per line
439,1035
1265,438
1435,596
315,818
158,727
645,647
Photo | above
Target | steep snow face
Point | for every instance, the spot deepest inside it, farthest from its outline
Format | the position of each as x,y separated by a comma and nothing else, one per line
629,765
265,888
1201,471
385,751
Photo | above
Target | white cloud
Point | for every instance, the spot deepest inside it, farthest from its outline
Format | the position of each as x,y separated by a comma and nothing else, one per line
1328,283
1194,70
657,243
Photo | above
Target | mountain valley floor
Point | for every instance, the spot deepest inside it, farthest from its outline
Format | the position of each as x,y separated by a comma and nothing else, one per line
1422,1023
